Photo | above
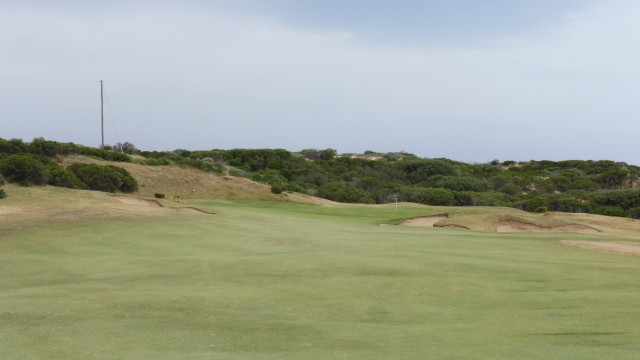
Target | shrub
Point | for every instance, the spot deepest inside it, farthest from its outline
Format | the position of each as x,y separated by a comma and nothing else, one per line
104,154
2,194
540,209
342,192
2,181
24,169
104,178
634,213
159,195
610,211
271,177
461,183
203,165
13,146
59,176
421,169
427,196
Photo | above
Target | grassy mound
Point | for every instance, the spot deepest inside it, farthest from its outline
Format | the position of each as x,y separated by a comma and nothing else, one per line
181,182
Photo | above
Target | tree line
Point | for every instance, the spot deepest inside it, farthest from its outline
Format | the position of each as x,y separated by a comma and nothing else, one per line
600,187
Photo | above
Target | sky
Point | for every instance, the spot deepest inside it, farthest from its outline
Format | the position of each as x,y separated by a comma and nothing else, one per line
467,80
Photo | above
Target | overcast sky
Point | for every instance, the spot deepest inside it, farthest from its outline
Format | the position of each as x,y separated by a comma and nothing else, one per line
464,79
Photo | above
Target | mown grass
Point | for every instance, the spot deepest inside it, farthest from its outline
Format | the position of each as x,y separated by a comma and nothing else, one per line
277,280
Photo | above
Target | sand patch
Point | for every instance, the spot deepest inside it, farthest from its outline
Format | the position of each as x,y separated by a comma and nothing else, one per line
10,210
130,200
618,247
424,221
517,226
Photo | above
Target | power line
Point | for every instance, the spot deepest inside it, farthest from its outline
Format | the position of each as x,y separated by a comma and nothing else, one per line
113,121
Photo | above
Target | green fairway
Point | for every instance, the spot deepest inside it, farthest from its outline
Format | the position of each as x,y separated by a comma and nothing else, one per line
279,280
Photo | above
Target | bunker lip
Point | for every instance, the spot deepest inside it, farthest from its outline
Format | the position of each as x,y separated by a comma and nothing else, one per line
193,210
616,247
133,200
514,226
424,221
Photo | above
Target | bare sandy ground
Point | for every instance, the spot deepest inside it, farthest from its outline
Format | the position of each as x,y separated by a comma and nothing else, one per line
425,221
515,226
130,200
10,210
618,247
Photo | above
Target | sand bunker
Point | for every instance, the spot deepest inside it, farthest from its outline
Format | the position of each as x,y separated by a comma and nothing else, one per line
424,221
137,201
516,226
618,247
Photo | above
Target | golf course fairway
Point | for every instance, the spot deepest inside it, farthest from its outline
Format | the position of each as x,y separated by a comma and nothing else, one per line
282,280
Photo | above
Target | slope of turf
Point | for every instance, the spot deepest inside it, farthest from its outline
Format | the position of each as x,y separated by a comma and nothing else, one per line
278,280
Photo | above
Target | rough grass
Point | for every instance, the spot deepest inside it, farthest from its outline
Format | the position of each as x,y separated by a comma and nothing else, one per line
176,181
279,280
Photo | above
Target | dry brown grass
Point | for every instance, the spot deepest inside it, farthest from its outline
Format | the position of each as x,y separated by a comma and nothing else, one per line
29,207
180,182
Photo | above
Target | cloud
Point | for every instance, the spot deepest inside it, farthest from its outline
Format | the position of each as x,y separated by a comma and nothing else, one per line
183,77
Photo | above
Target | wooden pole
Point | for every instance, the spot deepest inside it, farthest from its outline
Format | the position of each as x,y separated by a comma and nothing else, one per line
102,114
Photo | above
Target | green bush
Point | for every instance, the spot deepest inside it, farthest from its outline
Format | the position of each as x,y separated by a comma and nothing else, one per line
342,192
271,177
457,183
13,146
104,154
610,211
104,178
2,194
59,176
159,195
2,181
24,169
634,213
427,196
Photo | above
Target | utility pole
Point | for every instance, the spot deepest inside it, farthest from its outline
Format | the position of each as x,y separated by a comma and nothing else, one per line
102,114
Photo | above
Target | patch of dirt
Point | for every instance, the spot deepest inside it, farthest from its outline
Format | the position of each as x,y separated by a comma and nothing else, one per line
516,226
194,210
10,210
424,221
618,247
130,200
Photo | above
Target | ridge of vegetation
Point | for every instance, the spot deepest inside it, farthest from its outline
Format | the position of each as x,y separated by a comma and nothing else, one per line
580,186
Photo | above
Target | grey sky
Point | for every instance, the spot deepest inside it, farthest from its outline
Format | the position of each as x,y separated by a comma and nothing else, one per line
513,80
